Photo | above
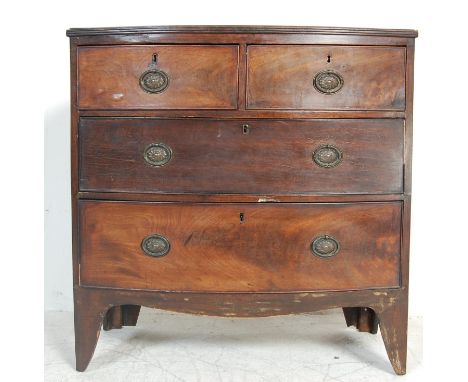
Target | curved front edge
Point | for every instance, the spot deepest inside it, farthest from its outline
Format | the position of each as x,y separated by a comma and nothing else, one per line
390,305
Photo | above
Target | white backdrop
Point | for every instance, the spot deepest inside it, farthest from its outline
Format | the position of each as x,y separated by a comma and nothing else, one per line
34,74
433,54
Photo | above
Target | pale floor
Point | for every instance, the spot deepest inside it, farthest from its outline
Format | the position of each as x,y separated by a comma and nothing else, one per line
177,347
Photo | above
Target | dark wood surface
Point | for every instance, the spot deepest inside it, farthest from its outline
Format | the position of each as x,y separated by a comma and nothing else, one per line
364,319
218,156
230,29
212,249
281,77
120,316
115,307
200,77
91,305
240,38
242,114
240,198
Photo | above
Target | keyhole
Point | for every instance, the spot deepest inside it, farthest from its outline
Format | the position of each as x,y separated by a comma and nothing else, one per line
245,129
241,217
328,58
155,58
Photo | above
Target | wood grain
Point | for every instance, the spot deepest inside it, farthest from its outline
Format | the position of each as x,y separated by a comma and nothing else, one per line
379,66
240,198
213,250
92,303
200,77
230,29
246,114
215,156
240,38
281,77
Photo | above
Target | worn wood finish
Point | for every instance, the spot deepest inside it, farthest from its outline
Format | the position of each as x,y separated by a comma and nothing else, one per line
229,101
216,156
215,250
247,114
92,303
281,77
227,304
240,198
393,322
200,77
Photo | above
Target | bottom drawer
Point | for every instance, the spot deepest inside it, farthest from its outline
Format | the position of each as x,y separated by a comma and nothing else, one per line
240,247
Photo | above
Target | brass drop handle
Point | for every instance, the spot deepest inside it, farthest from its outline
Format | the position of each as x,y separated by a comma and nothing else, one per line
157,154
327,156
325,246
155,245
328,82
154,80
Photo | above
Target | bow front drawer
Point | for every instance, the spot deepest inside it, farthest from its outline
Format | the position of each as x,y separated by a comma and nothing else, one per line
240,247
158,77
258,156
326,77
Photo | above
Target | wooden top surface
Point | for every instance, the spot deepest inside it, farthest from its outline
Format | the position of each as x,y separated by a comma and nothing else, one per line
241,29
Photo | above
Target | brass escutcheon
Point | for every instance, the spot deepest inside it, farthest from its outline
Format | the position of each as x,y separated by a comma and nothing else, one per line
328,82
155,245
325,246
327,156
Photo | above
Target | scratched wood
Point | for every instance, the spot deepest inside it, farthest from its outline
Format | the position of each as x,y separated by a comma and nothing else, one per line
232,75
219,157
216,250
91,305
281,77
200,77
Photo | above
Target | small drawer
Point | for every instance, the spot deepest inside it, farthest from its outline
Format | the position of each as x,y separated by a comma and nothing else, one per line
158,77
258,156
326,77
239,247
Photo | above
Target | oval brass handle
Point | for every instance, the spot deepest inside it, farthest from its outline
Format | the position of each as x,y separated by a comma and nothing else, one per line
155,245
325,246
327,156
154,81
328,82
157,154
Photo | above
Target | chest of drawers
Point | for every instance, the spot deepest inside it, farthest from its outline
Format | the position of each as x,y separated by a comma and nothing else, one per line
241,171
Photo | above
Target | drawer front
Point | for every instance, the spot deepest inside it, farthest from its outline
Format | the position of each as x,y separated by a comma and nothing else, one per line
240,247
267,157
158,77
300,77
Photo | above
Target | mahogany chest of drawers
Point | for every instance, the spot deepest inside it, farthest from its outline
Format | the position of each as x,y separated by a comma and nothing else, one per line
241,171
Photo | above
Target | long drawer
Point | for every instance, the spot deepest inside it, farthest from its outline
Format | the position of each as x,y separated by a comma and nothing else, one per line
239,247
158,77
259,156
326,77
